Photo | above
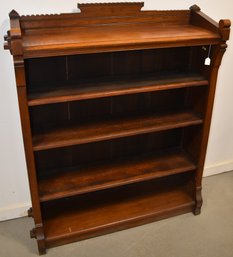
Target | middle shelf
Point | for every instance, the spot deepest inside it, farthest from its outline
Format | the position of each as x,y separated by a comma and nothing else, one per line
112,128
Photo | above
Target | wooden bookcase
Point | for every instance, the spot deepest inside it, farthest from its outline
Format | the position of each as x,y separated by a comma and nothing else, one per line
115,107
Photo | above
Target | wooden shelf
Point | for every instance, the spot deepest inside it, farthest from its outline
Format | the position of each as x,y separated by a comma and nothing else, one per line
78,180
92,39
108,87
110,129
105,211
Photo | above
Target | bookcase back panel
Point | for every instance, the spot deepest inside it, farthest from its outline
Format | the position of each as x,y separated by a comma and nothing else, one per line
191,141
77,70
196,99
43,73
88,66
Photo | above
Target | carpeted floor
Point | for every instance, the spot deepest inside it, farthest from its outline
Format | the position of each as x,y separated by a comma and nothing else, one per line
207,235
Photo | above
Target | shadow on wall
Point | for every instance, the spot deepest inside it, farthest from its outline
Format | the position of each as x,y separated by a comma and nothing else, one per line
5,25
14,191
7,84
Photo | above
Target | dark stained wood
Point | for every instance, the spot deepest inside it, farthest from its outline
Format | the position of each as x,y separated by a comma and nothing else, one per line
75,219
45,71
101,89
106,151
44,74
109,129
29,153
216,57
112,94
224,29
45,116
110,9
78,180
31,168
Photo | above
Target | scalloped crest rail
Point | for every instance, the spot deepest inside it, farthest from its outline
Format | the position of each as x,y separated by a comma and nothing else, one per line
115,105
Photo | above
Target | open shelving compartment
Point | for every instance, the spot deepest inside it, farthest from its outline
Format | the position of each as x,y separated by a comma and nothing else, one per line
78,218
121,140
115,112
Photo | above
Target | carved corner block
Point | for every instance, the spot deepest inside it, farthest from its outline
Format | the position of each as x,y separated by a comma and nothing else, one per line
218,54
224,29
13,39
14,15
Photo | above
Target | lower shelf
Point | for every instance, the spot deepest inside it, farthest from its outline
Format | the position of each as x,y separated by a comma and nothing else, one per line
78,180
102,212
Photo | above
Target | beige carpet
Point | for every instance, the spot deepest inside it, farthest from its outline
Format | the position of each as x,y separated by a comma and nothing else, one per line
207,235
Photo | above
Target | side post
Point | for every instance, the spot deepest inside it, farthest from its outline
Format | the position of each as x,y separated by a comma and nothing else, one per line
216,55
14,44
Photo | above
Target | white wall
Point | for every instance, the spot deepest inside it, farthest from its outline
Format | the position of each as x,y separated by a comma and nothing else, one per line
14,192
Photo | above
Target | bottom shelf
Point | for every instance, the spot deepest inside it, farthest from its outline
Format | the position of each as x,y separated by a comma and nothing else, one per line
76,218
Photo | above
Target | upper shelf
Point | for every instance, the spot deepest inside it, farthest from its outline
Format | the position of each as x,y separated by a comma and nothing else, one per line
110,27
104,88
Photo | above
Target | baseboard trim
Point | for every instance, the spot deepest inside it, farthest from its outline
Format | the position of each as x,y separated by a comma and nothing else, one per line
218,168
14,211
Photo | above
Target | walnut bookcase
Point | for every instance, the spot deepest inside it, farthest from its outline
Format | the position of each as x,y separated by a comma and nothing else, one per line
115,107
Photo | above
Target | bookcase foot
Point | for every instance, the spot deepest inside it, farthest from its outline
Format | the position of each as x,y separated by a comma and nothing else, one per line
30,212
38,234
42,250
199,201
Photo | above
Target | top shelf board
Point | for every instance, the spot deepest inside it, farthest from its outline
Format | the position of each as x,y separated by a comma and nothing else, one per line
115,38
109,27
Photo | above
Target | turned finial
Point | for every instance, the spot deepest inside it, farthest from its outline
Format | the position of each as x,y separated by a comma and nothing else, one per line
195,8
14,15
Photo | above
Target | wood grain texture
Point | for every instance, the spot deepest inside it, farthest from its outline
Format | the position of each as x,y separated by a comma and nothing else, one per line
106,38
101,88
109,129
78,180
110,9
30,161
198,18
92,154
216,56
75,219
98,26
